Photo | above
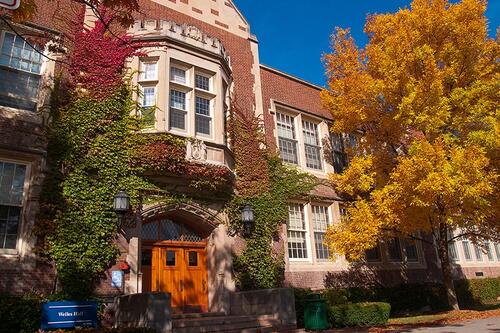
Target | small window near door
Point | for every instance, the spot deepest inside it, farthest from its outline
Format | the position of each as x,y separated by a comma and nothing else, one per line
146,258
193,258
170,258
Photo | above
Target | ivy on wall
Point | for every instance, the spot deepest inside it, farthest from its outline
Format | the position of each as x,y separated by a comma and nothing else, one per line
267,184
94,151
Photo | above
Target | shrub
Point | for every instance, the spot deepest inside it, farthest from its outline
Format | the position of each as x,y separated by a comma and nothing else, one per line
359,314
403,298
20,314
300,297
477,291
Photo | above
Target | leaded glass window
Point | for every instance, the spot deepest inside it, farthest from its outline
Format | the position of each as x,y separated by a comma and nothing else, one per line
178,109
177,75
169,230
203,119
202,82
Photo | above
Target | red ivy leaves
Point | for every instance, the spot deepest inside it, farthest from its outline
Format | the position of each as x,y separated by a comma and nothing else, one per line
170,158
98,58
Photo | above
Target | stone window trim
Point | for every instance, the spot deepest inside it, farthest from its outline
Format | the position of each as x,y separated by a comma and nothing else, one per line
469,254
21,230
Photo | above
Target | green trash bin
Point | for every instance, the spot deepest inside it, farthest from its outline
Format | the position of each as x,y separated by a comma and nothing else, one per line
315,314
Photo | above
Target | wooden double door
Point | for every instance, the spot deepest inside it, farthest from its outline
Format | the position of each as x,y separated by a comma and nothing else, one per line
180,269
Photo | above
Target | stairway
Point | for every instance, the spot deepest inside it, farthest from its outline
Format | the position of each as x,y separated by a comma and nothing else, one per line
218,322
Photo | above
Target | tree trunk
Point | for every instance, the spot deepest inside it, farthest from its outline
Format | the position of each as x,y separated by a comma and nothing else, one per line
446,266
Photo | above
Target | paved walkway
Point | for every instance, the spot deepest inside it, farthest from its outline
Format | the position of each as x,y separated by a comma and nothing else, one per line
488,325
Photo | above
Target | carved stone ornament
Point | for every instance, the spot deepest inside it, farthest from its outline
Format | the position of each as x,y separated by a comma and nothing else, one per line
198,150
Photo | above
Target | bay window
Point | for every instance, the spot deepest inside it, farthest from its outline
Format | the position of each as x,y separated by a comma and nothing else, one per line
178,109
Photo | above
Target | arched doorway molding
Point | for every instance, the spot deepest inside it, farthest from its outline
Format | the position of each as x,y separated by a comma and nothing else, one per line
193,215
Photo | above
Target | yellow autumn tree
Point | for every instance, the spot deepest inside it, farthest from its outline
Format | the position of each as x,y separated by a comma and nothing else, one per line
421,98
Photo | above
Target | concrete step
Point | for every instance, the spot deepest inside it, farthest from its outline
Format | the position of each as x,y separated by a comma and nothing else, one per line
226,324
197,315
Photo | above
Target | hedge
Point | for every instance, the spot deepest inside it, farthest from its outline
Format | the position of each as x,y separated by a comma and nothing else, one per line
359,314
20,314
403,298
475,292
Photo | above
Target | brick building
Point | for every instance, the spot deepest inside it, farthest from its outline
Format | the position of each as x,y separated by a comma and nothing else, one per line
204,54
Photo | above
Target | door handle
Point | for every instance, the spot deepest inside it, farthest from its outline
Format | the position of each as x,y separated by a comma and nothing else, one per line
204,284
181,285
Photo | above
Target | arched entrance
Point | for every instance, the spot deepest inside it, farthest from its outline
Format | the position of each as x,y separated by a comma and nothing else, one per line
174,261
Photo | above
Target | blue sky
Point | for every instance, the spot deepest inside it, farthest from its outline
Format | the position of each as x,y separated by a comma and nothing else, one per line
293,34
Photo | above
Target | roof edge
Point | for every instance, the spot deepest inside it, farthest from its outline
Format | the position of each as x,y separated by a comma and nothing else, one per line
292,77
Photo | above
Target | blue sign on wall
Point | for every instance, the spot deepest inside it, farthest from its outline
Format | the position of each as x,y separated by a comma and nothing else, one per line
69,314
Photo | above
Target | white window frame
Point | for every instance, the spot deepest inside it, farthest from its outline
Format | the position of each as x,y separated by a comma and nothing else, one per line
306,231
143,65
306,127
294,131
176,67
185,111
314,231
209,116
206,76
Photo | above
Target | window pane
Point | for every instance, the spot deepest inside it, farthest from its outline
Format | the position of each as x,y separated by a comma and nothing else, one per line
178,99
310,131
296,217
466,247
170,258
149,71
9,224
177,119
149,96
203,125
479,252
320,218
489,252
202,82
497,250
19,55
373,255
18,89
394,249
452,250
411,250
288,150
313,157
297,244
285,125
322,252
193,258
202,106
177,75
11,183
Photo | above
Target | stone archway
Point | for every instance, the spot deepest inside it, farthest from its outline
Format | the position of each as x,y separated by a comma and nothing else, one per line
185,228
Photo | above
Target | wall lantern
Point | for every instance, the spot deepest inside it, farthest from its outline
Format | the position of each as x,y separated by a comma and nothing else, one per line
121,205
248,219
